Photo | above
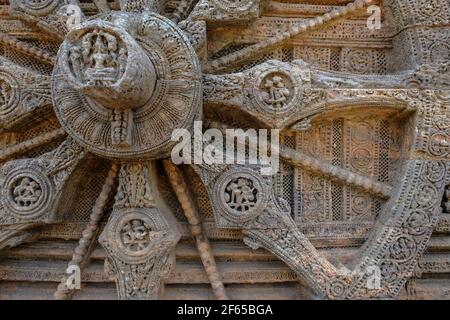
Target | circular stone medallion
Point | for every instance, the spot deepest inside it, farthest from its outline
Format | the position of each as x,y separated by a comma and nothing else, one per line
403,249
135,234
26,193
275,88
123,82
417,223
38,7
241,194
276,91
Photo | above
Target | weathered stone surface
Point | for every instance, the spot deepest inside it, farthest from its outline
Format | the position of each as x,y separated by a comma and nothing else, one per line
359,208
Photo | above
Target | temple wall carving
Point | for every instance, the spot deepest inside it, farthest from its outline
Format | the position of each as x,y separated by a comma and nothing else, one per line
96,95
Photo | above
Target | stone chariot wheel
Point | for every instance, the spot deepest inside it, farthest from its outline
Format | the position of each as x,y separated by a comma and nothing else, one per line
353,143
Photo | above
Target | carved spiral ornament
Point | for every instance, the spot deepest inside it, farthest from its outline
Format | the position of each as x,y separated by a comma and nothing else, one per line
337,289
417,223
403,248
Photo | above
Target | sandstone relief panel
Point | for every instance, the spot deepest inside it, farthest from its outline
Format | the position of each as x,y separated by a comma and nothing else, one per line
112,115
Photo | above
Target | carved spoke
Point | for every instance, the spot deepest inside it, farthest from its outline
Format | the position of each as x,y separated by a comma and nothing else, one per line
31,144
338,174
27,49
242,198
89,237
15,234
24,96
247,53
138,237
321,167
54,17
190,210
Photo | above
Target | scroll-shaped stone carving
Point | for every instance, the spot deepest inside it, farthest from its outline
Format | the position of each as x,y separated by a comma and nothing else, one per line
123,82
31,189
49,15
243,199
138,237
23,94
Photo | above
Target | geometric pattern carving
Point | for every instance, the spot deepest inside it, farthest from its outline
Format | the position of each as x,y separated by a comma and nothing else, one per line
26,192
370,146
